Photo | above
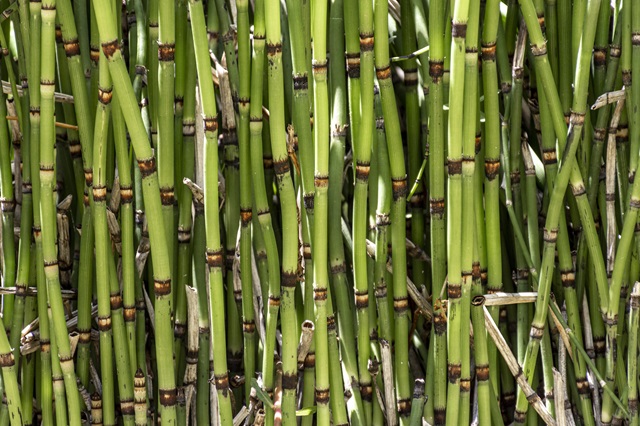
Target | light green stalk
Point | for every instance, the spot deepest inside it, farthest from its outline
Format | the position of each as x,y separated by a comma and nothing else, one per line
248,321
320,229
362,157
261,200
165,121
150,188
398,211
632,360
214,252
437,12
288,212
468,225
48,209
102,252
454,213
337,263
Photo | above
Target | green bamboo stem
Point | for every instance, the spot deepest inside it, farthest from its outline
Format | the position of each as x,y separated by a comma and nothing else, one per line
398,210
454,213
47,207
84,115
362,154
632,360
28,363
190,233
25,257
10,381
203,411
352,65
227,38
72,138
128,309
550,238
337,263
634,95
7,207
153,14
482,367
600,48
45,388
261,200
231,220
213,26
414,149
165,122
320,229
437,193
184,47
512,158
468,225
566,63
59,396
289,221
121,346
214,254
385,333
248,320
146,162
102,251
301,107
141,46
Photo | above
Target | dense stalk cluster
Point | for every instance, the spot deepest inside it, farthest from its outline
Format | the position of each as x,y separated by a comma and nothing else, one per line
360,212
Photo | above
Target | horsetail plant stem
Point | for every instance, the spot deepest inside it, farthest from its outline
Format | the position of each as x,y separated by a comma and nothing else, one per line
362,154
214,253
248,321
47,208
216,349
454,213
437,194
146,162
288,213
398,210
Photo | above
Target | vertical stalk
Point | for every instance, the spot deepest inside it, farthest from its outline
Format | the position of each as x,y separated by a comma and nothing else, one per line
289,217
362,154
214,252
468,225
166,88
7,208
47,207
103,112
437,12
632,359
414,148
454,216
337,263
150,188
398,211
320,229
126,229
261,200
248,321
